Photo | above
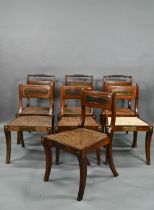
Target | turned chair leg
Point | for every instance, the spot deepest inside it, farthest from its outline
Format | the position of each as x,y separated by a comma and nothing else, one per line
82,159
20,138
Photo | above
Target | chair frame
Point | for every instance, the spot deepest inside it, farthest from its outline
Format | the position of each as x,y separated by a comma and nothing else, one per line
37,91
95,99
128,93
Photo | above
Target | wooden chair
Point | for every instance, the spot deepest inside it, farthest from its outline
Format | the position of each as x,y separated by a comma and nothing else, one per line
125,93
70,119
81,141
44,92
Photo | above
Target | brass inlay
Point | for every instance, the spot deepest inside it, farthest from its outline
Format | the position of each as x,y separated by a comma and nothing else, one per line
102,100
73,92
29,91
122,92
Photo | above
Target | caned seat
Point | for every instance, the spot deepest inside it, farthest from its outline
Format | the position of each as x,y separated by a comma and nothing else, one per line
134,124
25,123
81,141
67,123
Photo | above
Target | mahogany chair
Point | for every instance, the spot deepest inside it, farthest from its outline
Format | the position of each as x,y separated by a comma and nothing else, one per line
42,92
125,93
81,141
71,118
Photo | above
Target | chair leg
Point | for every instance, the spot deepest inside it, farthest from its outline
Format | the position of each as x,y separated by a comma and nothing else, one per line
83,174
8,144
48,154
147,147
20,138
106,158
98,154
110,160
134,144
57,155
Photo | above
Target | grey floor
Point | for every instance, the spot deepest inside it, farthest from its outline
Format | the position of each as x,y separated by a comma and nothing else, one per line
22,186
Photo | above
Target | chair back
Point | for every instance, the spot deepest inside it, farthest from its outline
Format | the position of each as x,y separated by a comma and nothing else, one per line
36,91
79,80
127,93
119,80
70,92
40,79
100,100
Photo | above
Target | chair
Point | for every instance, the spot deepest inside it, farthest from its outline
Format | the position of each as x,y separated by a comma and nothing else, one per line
69,119
125,93
81,141
44,92
31,121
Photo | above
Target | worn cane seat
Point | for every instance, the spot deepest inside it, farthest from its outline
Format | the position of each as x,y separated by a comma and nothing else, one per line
76,111
79,139
30,121
35,110
76,122
122,112
128,121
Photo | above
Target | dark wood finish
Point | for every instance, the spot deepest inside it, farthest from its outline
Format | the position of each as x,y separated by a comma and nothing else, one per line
81,141
25,123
